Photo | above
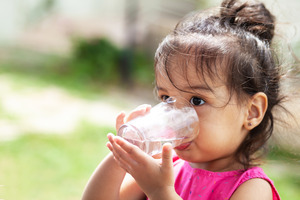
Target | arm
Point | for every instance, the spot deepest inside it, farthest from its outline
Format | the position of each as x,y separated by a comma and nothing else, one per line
130,189
253,189
107,182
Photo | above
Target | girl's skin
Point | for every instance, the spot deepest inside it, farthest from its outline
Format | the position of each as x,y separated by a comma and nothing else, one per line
224,123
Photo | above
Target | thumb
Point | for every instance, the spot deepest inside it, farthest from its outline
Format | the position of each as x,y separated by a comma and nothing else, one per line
120,120
167,159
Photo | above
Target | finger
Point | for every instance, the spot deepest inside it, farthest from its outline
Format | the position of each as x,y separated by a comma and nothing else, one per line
132,150
124,157
115,149
109,146
110,137
120,120
122,164
143,106
148,107
167,158
139,111
125,145
157,156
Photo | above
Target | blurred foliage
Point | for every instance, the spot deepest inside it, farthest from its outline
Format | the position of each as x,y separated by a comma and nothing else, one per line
95,59
203,4
93,64
100,60
282,166
277,152
49,167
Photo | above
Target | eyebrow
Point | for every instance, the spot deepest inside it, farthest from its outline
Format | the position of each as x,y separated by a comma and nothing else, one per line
187,88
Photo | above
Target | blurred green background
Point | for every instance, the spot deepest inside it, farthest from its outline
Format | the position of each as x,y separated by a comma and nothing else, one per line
68,67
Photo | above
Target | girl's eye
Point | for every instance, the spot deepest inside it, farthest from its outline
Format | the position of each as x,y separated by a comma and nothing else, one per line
196,101
164,97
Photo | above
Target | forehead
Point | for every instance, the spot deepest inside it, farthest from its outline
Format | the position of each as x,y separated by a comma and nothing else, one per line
191,58
182,72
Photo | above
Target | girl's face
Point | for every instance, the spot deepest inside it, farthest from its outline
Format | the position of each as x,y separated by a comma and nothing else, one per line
221,119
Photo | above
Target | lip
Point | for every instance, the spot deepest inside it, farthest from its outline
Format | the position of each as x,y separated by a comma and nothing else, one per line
183,146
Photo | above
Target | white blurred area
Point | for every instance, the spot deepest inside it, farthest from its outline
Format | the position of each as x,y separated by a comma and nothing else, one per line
49,25
53,110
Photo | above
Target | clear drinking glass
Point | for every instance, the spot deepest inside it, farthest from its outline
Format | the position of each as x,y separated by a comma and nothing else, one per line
172,121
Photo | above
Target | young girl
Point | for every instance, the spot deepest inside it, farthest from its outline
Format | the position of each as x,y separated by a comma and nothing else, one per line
223,64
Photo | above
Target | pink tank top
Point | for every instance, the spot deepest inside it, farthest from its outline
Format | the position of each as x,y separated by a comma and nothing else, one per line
192,183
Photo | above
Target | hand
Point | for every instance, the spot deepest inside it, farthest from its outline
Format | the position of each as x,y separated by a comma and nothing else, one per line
155,177
139,111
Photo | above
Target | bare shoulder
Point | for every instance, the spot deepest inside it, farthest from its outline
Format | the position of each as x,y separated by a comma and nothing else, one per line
256,188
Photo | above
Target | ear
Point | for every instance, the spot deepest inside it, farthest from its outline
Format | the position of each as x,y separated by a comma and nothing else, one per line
257,107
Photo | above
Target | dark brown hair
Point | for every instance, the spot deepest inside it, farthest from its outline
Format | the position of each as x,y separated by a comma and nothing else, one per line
238,35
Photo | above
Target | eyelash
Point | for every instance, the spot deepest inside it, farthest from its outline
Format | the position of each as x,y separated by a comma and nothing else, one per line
164,97
192,100
201,102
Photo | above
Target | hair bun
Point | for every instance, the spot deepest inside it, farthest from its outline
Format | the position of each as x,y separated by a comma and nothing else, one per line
252,16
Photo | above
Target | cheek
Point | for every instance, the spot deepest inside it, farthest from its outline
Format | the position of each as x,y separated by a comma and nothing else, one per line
217,130
215,143
210,134
222,118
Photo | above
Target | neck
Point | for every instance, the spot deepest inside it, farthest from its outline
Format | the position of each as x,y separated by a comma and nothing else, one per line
220,165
